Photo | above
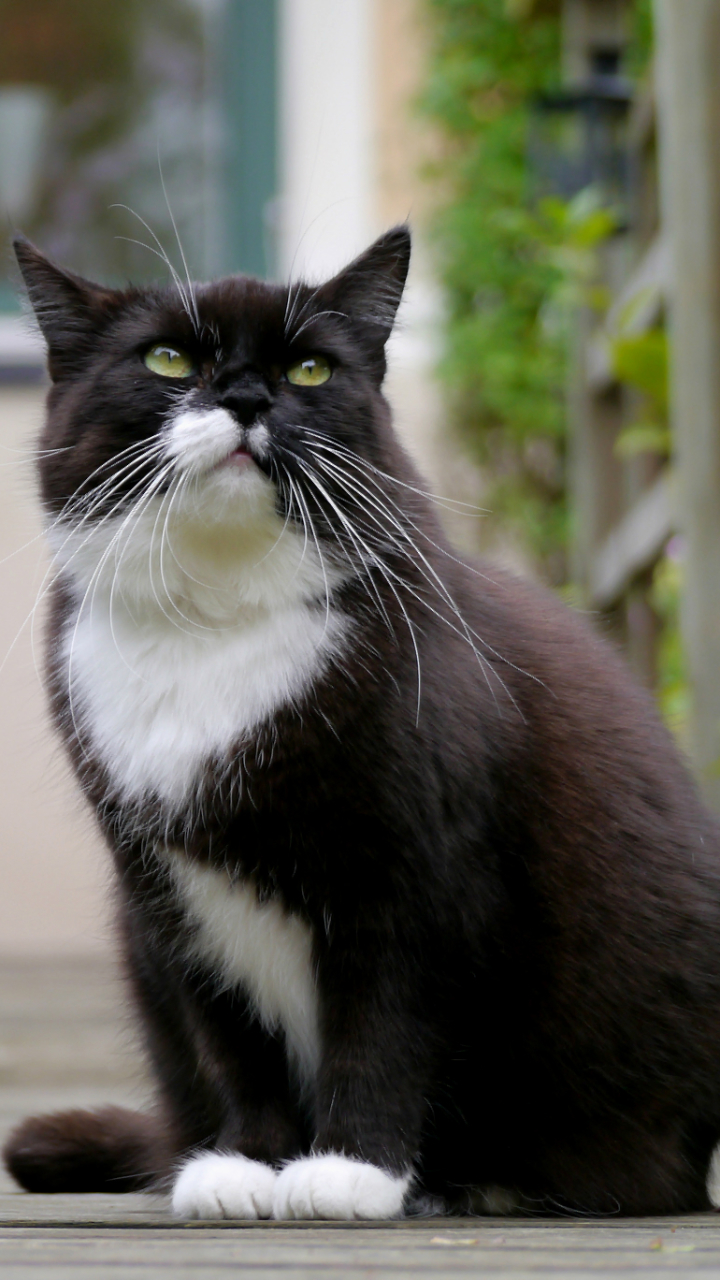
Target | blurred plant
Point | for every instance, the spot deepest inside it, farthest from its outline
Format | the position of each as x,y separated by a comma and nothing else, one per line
516,274
673,688
503,368
640,361
514,271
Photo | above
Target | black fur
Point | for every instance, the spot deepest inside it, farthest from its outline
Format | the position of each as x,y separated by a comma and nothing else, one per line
513,890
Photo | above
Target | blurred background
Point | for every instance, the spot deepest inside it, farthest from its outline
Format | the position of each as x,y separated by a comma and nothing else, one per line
556,361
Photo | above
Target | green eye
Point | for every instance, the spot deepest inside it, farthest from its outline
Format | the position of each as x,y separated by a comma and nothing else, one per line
169,362
309,373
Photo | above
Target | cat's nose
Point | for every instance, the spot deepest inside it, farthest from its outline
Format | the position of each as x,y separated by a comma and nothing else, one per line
246,402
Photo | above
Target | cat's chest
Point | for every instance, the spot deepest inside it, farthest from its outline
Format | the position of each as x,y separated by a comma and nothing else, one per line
154,702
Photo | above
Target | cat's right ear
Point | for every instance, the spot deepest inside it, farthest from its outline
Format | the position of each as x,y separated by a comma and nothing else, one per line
69,310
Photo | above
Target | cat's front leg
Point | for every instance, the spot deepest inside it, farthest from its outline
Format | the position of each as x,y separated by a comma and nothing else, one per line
372,1083
224,1089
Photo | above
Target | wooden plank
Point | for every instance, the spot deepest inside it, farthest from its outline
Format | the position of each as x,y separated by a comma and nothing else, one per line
636,309
635,543
134,1237
447,1249
688,50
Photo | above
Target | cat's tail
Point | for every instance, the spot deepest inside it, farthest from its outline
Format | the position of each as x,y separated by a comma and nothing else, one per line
110,1149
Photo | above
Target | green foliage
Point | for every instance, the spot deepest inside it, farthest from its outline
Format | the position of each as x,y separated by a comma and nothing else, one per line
504,369
673,688
640,361
514,271
641,38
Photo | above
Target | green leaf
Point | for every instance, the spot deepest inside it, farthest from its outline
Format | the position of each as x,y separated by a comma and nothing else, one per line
642,361
643,437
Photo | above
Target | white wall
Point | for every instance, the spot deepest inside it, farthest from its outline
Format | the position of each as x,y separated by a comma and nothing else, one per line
349,168
326,210
53,868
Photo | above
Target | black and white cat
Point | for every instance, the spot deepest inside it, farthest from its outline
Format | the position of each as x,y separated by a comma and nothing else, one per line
417,902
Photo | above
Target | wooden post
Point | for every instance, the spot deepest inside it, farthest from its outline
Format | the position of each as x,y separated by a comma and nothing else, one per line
589,27
688,52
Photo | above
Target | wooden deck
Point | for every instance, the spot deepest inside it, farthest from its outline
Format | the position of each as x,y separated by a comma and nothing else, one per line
64,1041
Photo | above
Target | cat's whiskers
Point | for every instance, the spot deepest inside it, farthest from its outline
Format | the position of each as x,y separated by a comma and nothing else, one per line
451,504
388,573
287,495
359,464
290,305
172,489
168,594
307,522
100,497
29,458
365,578
426,569
45,585
468,633
175,489
430,576
36,453
186,481
84,495
311,319
89,503
96,527
160,252
44,533
353,488
190,285
295,315
130,518
377,562
163,258
279,539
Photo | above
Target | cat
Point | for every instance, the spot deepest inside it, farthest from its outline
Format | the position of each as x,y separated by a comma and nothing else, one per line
417,903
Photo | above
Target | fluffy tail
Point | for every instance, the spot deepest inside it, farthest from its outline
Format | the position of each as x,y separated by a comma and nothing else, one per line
107,1150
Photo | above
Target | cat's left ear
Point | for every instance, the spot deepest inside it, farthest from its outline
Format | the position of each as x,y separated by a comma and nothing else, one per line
71,311
368,291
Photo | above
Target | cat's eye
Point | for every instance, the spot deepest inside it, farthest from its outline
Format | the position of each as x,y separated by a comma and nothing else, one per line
169,362
311,372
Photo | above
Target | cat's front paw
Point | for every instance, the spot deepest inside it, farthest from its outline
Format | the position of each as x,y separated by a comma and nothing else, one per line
223,1186
334,1186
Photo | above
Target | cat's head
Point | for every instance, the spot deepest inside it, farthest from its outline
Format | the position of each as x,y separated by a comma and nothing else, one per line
223,403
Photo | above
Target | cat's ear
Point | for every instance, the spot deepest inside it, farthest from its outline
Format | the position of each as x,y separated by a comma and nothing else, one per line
368,291
69,310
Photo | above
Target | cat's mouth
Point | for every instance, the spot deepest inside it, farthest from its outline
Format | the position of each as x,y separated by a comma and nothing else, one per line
239,459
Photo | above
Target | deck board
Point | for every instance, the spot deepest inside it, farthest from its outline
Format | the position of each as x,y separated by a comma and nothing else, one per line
65,1040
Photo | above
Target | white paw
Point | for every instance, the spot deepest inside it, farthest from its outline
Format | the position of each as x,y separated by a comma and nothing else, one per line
223,1186
335,1186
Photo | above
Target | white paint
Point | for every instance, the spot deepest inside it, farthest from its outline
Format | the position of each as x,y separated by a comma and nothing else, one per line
335,1186
213,1185
197,618
257,946
326,151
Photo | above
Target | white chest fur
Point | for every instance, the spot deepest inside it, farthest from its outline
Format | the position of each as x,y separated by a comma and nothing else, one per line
156,702
257,946
197,619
